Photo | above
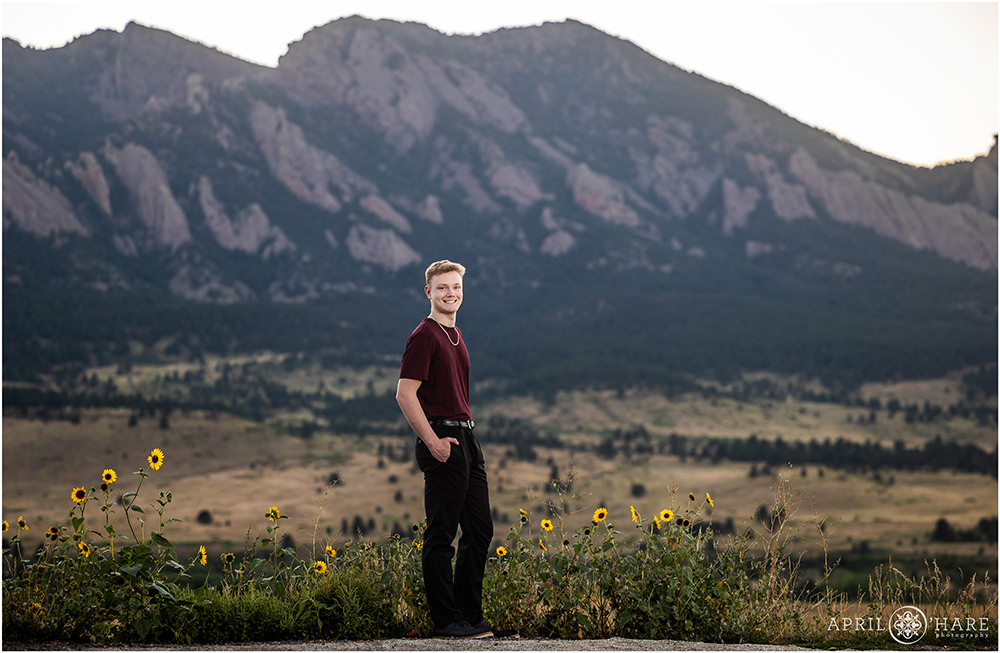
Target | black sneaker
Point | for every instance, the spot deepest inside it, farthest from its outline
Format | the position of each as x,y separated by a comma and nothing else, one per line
462,630
497,632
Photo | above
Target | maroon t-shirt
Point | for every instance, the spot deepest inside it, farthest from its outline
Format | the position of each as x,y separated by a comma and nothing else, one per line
443,369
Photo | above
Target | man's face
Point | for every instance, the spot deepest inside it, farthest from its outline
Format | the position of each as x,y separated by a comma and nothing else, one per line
445,292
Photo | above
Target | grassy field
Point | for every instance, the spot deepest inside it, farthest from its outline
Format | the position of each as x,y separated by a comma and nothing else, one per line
235,469
225,470
794,421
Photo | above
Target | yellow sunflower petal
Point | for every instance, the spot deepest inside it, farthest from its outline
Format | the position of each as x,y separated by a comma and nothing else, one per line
155,458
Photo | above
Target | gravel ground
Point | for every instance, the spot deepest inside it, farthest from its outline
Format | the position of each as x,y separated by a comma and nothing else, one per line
505,644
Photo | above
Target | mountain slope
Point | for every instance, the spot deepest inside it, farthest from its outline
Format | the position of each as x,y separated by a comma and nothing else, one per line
623,220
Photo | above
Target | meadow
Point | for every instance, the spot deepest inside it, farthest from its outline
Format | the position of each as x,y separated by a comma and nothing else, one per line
839,527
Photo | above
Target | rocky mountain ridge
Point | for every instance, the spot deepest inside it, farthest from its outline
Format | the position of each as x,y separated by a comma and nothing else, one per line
384,75
374,146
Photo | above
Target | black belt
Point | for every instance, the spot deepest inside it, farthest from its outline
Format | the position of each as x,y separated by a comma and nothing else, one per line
453,422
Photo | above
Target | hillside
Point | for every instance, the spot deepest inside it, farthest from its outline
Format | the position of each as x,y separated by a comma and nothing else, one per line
624,222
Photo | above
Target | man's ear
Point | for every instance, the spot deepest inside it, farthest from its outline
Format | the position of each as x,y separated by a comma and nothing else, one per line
427,291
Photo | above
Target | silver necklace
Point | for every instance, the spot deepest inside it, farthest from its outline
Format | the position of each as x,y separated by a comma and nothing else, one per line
446,335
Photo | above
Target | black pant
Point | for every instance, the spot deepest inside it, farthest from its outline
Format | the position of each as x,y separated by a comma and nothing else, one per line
456,493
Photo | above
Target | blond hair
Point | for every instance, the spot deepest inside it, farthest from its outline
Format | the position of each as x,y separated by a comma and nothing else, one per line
441,267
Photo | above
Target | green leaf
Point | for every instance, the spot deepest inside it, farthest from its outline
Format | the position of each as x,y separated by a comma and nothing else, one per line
137,551
131,570
136,508
163,589
157,538
142,627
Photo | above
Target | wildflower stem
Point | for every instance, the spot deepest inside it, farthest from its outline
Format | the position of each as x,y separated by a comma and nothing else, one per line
107,522
128,506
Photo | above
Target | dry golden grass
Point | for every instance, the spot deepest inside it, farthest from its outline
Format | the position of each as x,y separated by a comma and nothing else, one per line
855,507
943,391
44,461
692,415
237,469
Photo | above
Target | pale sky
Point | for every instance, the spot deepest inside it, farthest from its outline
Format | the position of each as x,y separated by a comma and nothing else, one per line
913,81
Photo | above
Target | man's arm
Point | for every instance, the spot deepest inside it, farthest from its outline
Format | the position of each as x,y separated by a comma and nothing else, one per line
406,397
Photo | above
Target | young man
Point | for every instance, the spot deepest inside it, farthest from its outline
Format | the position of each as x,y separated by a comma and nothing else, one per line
433,393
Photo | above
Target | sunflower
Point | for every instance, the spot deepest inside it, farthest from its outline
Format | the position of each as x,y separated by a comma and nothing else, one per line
53,532
5,526
109,476
330,551
155,459
273,514
635,515
79,495
84,549
229,558
600,515
656,520
501,552
690,496
524,515
23,525
546,524
202,555
709,498
666,515
417,543
319,567
542,545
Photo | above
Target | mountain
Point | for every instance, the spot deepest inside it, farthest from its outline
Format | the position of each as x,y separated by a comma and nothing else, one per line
624,221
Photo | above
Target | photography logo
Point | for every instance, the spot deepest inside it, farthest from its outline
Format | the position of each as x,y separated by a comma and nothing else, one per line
908,624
